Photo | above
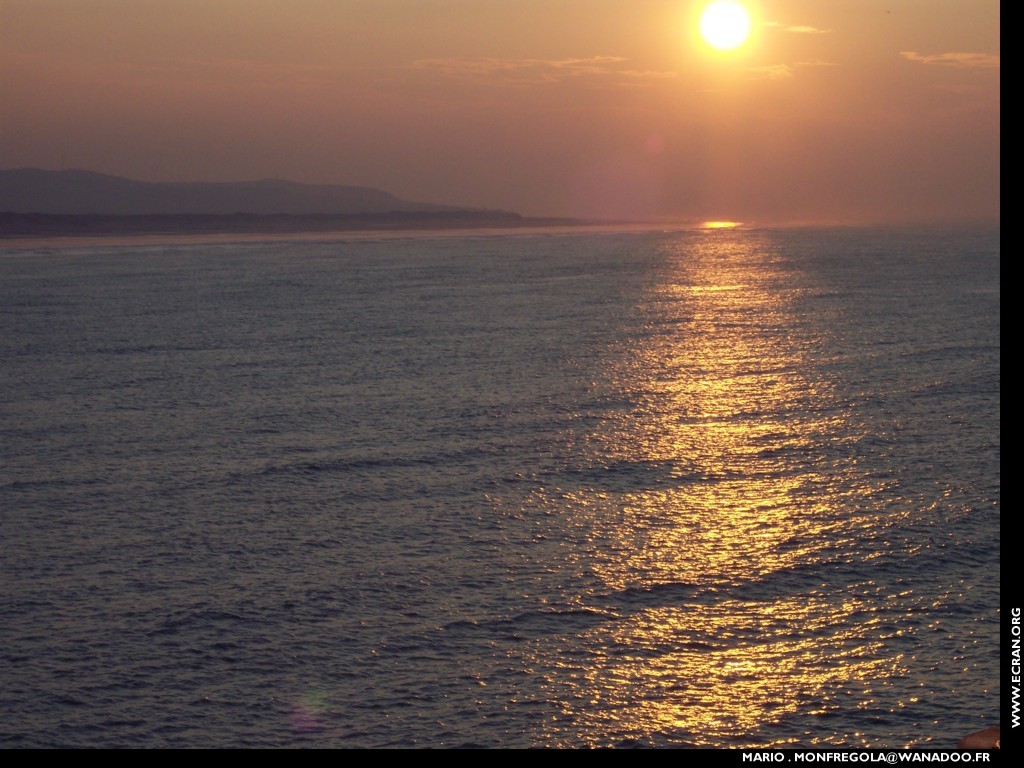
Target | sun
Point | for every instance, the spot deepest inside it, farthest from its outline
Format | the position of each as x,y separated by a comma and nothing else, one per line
725,24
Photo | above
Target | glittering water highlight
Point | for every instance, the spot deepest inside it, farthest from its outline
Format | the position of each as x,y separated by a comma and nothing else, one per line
726,487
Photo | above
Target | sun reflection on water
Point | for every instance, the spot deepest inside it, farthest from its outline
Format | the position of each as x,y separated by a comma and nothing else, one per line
720,631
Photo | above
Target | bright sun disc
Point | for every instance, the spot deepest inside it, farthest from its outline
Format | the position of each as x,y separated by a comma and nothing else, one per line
725,25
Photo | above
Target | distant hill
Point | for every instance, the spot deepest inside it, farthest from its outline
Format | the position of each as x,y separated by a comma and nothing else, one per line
34,191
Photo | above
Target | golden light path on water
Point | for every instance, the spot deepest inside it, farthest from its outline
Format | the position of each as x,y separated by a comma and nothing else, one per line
725,410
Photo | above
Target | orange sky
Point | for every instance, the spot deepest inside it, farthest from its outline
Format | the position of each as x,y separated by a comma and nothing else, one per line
843,111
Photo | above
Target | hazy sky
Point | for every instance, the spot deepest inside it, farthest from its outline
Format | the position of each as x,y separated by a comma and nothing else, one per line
836,110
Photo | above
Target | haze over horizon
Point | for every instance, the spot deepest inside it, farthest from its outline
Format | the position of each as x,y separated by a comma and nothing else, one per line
849,111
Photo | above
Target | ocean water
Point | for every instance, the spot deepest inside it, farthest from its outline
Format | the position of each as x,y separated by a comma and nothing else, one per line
684,488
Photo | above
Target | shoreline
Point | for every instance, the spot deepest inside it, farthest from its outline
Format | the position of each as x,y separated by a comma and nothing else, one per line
18,225
24,231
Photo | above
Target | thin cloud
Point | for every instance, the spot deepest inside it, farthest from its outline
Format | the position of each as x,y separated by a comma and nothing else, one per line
489,66
534,71
799,29
955,59
772,72
784,71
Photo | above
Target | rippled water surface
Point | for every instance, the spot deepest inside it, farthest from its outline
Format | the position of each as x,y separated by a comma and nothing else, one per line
729,488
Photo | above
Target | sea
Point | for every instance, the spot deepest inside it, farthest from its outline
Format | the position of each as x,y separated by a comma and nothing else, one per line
677,487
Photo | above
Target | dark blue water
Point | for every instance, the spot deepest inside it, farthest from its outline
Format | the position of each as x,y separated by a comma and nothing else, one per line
723,488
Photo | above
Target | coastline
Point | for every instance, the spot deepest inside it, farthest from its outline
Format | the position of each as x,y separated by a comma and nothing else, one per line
16,225
22,231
